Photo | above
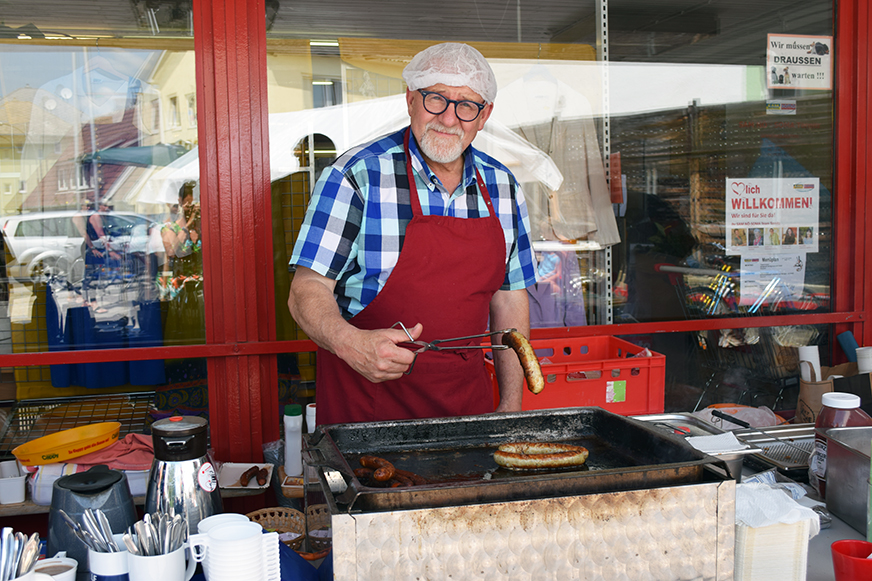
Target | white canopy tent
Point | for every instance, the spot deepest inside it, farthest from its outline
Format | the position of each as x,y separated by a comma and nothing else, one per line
349,125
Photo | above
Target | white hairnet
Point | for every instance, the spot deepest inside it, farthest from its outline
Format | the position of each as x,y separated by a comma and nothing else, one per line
452,64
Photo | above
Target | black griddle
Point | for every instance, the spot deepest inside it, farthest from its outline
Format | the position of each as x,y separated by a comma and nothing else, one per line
455,455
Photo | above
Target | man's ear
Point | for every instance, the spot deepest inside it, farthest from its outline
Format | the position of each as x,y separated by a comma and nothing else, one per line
410,98
484,115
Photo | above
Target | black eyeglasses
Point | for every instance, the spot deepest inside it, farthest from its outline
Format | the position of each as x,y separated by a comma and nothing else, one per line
436,104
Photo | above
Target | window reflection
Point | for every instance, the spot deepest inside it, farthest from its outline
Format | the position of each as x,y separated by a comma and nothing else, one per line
623,167
750,366
686,108
94,159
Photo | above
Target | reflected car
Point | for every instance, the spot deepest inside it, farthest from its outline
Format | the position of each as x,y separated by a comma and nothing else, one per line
48,244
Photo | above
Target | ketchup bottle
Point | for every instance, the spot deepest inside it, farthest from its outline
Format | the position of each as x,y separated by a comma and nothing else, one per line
840,410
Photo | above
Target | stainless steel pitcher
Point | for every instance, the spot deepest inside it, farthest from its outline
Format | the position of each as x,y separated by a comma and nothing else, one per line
182,480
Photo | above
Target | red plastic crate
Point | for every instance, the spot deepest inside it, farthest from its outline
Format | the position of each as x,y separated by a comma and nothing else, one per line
595,371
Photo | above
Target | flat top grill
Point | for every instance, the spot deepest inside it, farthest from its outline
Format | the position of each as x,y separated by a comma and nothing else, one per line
455,455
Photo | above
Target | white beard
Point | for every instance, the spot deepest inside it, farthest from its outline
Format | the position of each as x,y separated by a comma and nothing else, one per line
441,149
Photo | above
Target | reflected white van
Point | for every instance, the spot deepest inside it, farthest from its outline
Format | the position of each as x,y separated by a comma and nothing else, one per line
48,244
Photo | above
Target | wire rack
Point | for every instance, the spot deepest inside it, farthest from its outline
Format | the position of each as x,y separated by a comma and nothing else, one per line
786,447
31,419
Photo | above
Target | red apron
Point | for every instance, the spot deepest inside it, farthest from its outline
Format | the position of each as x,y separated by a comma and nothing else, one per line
447,272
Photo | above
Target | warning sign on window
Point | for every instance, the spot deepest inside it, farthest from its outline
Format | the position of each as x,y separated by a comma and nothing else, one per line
799,62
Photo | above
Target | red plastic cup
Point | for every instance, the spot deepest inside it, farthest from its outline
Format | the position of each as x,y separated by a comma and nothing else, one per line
849,560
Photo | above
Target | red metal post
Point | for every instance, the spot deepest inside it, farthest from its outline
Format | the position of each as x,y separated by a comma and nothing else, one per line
232,113
851,218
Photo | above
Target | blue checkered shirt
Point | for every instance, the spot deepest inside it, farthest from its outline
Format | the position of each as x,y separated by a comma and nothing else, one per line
357,217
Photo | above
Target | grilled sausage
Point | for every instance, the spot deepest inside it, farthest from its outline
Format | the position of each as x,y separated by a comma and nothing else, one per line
384,470
363,474
248,475
416,479
261,476
402,480
536,455
528,359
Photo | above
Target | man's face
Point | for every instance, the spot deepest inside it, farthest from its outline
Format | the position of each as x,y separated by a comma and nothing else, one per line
443,138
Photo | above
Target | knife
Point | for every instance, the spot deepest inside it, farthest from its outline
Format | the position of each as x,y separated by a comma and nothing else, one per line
22,540
6,549
132,546
92,531
12,556
106,529
142,538
77,530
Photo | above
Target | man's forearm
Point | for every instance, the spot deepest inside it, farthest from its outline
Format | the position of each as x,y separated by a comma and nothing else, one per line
510,310
314,308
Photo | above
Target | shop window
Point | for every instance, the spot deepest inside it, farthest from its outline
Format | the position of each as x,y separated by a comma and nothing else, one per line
627,169
632,189
98,164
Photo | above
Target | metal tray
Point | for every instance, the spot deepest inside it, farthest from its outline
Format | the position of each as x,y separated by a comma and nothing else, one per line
681,424
456,456
688,425
778,454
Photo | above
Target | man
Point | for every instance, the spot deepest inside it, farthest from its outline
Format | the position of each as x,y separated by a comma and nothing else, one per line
441,253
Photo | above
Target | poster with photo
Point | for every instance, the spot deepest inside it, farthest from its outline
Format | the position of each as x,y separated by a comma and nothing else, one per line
799,62
766,216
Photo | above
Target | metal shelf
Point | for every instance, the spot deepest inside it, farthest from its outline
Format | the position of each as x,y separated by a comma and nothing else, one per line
35,418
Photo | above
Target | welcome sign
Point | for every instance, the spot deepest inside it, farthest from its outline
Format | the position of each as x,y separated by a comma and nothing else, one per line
772,215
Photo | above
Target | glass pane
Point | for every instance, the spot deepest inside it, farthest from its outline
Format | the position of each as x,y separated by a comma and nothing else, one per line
99,203
331,89
635,175
727,160
747,366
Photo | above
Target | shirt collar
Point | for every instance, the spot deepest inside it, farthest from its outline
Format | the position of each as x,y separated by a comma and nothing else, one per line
420,166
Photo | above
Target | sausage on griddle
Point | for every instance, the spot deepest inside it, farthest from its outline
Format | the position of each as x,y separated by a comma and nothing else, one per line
539,455
384,470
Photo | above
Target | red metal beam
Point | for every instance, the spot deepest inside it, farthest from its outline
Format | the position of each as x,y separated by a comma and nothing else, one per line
698,325
232,110
851,262
260,348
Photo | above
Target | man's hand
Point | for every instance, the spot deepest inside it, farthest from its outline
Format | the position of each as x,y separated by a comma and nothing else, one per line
375,354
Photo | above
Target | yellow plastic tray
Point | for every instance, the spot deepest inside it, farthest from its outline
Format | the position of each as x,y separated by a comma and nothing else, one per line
68,444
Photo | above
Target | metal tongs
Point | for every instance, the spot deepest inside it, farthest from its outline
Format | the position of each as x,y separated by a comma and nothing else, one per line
437,344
